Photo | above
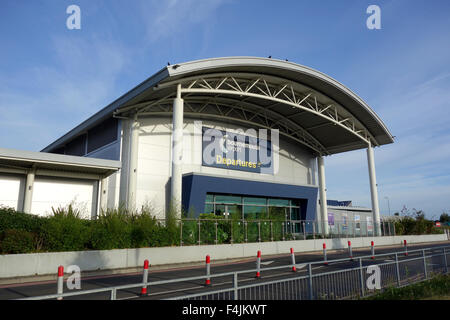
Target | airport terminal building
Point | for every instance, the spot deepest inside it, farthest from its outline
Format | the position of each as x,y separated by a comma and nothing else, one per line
239,135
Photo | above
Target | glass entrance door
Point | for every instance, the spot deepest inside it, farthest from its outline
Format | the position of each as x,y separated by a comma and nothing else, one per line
295,218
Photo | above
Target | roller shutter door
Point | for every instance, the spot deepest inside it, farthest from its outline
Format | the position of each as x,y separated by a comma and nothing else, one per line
11,194
54,192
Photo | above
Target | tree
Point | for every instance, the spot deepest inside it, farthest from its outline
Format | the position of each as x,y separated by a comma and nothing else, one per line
444,217
413,222
405,212
418,214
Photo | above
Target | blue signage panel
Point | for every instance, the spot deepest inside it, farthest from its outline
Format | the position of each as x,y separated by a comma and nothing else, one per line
229,150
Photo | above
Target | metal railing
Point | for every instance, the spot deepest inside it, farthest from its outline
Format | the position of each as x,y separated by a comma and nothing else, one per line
221,231
399,269
348,283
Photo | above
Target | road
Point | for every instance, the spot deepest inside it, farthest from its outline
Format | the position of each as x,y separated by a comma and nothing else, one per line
163,291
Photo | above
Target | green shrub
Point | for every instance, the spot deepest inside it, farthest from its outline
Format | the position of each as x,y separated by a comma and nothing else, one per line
65,230
414,223
410,226
143,230
252,231
265,231
165,237
208,228
277,214
278,230
190,232
17,241
120,228
11,219
238,230
172,227
111,230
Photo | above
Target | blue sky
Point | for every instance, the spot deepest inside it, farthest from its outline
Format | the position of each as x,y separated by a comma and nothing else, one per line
52,78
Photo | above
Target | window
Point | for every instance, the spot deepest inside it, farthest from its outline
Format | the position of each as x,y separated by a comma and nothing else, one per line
228,199
76,147
209,198
255,212
102,134
254,200
209,208
247,207
279,202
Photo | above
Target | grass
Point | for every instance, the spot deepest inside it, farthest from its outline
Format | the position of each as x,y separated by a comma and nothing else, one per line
446,297
437,288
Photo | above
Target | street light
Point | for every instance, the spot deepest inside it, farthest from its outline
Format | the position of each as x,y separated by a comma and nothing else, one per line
389,207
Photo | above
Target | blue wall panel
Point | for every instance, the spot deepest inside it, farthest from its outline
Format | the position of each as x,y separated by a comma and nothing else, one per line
196,186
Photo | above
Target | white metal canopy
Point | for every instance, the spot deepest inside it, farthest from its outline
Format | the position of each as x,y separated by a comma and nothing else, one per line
303,111
303,104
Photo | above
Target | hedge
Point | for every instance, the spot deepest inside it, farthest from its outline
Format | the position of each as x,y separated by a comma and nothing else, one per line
411,226
66,231
120,228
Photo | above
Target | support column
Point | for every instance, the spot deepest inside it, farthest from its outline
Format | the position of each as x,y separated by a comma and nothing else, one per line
103,190
28,197
374,191
132,174
323,196
177,152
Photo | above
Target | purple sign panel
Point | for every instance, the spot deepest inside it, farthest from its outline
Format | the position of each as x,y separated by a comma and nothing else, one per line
330,218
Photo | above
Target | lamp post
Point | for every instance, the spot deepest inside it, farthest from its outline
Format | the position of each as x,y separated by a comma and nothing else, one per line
389,207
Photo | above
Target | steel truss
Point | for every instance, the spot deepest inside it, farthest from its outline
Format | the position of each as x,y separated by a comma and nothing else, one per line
226,96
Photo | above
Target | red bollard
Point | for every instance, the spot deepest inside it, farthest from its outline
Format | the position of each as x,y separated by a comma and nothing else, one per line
258,265
293,260
145,278
60,282
373,250
325,254
208,270
406,247
350,253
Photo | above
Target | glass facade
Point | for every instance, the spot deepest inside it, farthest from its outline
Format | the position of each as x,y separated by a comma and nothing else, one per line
244,207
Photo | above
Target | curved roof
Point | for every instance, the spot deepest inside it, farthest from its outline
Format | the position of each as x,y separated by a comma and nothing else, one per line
304,104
